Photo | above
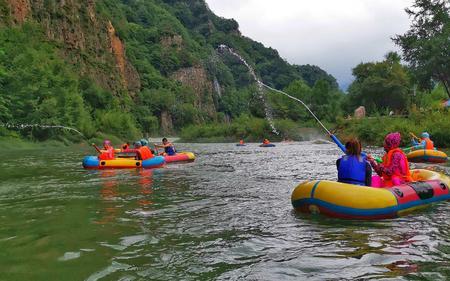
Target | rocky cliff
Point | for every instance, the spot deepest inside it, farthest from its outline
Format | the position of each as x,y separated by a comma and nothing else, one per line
85,38
126,54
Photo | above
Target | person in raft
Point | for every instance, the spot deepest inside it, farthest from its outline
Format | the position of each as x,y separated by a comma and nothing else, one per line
241,142
266,141
142,151
107,153
394,170
425,142
126,146
353,167
144,142
169,149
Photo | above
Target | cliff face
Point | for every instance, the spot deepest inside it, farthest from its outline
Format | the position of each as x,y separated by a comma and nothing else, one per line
85,39
196,78
149,59
20,9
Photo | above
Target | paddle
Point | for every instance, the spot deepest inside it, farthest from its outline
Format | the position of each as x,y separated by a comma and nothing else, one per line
409,149
414,136
97,148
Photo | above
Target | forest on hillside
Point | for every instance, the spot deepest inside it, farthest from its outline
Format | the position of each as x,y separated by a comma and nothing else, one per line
133,68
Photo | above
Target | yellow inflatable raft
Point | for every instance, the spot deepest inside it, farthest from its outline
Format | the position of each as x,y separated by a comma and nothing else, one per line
349,201
427,155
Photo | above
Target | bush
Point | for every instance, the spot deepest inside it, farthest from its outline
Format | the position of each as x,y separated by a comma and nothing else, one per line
117,123
373,130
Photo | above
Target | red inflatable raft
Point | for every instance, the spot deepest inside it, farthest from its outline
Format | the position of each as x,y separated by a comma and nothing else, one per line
180,157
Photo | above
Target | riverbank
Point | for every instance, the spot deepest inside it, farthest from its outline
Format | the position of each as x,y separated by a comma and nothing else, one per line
251,129
371,131
7,143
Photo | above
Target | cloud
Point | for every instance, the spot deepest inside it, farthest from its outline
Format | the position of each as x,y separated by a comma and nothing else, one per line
335,35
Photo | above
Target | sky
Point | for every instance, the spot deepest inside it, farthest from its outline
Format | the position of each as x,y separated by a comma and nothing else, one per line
333,34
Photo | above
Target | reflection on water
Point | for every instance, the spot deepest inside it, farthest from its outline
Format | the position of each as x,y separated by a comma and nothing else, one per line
226,216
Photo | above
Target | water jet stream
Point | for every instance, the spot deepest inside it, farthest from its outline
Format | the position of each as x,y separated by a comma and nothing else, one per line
261,85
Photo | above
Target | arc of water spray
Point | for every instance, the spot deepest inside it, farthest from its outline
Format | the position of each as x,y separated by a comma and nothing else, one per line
24,126
333,137
267,110
261,84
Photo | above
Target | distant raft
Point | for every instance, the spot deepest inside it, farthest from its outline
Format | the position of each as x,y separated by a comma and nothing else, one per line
427,156
92,162
180,157
240,144
267,145
347,201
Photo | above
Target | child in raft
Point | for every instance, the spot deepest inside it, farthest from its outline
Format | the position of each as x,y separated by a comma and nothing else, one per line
395,167
169,149
353,167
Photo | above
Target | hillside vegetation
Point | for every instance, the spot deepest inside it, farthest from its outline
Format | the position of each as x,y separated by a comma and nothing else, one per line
130,68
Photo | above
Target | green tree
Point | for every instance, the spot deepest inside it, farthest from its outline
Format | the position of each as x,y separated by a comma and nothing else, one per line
285,107
380,85
325,100
426,45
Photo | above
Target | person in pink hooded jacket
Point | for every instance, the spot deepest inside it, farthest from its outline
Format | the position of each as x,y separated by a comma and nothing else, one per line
395,167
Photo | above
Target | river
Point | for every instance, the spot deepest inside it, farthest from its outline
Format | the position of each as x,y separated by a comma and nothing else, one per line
227,216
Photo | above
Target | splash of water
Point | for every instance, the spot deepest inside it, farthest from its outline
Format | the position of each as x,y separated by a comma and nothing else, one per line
260,85
40,126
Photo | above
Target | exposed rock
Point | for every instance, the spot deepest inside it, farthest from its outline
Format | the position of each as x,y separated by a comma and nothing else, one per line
89,42
128,73
118,50
166,123
360,112
20,9
196,78
91,10
175,41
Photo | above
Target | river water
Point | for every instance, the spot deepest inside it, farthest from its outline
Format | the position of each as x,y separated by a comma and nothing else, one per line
227,216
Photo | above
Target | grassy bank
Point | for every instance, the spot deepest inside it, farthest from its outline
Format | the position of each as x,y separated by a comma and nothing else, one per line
250,129
8,143
371,131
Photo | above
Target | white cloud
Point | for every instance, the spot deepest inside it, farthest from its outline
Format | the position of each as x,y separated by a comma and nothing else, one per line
336,35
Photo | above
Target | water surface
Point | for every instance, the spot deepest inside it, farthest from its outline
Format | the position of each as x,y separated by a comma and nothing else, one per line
226,216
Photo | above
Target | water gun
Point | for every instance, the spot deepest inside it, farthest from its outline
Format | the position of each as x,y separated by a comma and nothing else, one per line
342,147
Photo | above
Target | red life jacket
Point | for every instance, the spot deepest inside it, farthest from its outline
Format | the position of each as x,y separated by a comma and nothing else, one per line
107,154
428,143
144,153
387,160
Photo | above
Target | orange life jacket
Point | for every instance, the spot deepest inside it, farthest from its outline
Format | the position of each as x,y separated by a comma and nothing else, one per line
144,153
387,160
107,154
428,143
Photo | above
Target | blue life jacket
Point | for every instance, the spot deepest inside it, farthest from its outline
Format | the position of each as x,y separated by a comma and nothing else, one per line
169,150
352,169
